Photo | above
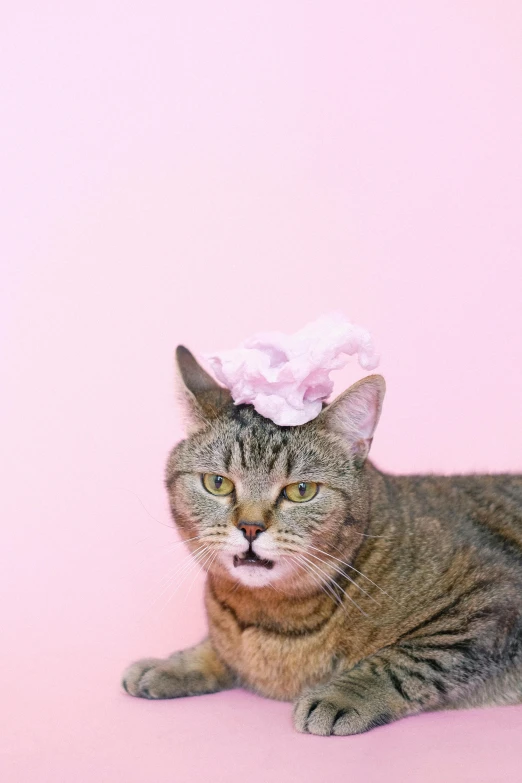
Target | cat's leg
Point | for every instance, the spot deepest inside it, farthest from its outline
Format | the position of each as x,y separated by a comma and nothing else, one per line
397,681
190,672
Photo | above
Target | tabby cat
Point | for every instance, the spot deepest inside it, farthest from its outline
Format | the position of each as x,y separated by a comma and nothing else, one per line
360,596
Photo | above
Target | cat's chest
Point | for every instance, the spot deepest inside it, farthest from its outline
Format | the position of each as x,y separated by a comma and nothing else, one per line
275,664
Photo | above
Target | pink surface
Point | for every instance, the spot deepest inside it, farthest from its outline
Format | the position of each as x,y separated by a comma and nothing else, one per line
196,172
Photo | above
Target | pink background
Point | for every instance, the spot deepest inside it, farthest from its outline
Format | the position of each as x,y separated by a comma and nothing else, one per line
195,172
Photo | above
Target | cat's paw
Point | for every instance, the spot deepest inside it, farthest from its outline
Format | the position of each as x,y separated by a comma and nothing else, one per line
155,678
332,710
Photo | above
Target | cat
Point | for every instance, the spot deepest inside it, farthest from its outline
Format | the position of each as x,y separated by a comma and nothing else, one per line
361,597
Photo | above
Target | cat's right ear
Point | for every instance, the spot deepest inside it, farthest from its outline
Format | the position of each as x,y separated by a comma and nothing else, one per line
201,397
354,415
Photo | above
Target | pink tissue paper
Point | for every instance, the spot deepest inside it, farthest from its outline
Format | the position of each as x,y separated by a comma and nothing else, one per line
287,377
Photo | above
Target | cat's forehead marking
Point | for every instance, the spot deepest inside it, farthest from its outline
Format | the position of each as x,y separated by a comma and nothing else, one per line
246,446
255,447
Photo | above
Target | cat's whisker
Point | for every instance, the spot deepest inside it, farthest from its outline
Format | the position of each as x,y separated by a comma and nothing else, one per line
174,580
356,532
172,544
323,581
318,568
199,568
296,565
186,568
165,579
167,549
188,551
195,565
320,580
140,501
343,573
171,574
203,537
168,579
369,535
349,565
293,566
340,571
190,563
326,580
233,590
277,590
205,563
203,566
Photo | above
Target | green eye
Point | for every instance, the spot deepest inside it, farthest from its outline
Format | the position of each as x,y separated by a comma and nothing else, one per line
301,491
217,485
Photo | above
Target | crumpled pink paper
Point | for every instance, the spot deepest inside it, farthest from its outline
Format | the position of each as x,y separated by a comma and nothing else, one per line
287,377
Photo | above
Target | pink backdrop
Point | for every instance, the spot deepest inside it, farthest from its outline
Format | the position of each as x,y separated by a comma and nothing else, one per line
194,172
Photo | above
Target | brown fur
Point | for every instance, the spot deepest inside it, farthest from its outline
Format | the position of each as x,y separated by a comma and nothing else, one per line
410,594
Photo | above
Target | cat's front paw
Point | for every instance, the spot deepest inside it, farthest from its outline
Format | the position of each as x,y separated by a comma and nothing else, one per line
191,672
155,678
333,710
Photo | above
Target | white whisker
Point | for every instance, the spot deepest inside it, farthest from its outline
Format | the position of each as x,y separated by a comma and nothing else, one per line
320,570
339,571
304,567
202,566
353,569
167,549
343,573
326,582
183,572
178,566
307,570
140,501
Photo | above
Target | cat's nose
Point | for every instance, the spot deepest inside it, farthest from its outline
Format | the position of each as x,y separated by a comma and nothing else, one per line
251,530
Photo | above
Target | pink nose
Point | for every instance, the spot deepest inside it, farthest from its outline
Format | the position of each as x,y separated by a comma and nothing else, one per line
251,530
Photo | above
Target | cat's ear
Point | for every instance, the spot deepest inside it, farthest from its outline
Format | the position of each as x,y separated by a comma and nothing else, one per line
202,398
355,413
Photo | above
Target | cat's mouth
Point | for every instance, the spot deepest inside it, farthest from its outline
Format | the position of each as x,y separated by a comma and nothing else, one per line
251,559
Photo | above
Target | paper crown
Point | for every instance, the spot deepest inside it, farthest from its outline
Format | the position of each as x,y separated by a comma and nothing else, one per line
287,377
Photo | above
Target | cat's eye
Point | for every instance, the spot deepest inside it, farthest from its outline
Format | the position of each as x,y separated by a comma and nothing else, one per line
301,491
217,485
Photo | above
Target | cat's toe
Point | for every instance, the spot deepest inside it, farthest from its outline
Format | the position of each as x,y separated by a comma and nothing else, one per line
332,711
352,721
321,719
161,682
348,722
313,715
316,715
133,675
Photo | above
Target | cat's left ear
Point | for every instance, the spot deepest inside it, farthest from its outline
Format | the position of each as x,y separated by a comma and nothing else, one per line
355,413
202,398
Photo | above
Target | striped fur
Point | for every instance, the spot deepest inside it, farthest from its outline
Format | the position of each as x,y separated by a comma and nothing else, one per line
391,595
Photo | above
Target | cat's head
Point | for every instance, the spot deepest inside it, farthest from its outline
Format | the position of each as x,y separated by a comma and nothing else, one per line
267,505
